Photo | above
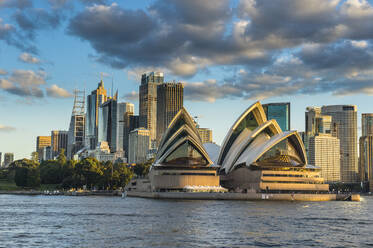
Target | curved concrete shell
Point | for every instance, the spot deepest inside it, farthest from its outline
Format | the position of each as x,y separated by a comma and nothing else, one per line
182,143
253,117
245,139
295,148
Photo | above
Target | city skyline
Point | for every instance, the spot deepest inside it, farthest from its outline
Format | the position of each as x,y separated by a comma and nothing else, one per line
37,80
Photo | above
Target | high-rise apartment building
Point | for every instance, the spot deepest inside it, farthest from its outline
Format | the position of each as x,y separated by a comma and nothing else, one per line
8,159
324,152
108,123
148,102
59,140
279,112
94,101
344,118
205,134
138,145
41,142
170,99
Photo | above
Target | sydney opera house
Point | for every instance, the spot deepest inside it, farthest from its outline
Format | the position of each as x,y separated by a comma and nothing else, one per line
256,156
181,159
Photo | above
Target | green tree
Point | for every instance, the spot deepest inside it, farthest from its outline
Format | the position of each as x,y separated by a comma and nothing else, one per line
51,172
26,173
90,169
122,175
142,169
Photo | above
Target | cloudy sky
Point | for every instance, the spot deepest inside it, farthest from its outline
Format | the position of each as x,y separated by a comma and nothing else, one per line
227,53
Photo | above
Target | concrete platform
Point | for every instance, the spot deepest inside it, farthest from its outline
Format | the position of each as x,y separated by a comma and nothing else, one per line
244,196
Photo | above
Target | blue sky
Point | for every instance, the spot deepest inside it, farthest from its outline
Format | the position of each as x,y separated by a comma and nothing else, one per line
228,55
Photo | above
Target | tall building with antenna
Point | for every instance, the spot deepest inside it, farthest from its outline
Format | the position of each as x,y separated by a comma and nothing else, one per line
76,134
94,101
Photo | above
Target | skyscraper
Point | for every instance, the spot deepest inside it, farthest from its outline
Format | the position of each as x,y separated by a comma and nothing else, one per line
148,102
8,159
1,159
279,112
94,101
41,142
366,150
344,117
59,140
130,123
316,123
367,124
138,145
76,135
123,108
170,99
324,152
205,134
108,123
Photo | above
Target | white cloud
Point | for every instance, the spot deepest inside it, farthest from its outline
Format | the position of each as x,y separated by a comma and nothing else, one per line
359,44
28,58
57,92
4,128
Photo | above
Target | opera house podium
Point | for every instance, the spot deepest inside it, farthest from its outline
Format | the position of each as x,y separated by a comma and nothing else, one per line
256,156
181,159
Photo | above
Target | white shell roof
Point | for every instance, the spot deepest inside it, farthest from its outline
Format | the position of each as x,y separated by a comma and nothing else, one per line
243,140
250,145
260,117
165,148
255,151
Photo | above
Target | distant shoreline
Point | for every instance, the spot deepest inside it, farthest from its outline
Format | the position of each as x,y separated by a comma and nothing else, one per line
66,193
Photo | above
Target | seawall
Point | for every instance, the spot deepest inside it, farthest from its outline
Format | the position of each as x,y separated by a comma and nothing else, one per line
243,196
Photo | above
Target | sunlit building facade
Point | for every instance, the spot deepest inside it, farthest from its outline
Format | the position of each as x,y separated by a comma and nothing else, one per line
344,117
170,99
324,152
205,134
148,103
59,141
41,142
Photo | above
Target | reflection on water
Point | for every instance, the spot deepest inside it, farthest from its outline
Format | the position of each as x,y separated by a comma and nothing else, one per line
61,221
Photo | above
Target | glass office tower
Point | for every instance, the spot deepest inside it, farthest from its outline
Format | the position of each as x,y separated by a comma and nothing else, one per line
279,112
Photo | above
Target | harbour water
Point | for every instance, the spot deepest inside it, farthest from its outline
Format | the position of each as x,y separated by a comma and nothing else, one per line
65,221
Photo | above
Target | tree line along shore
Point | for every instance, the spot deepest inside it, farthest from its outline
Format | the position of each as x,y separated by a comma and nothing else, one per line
63,174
